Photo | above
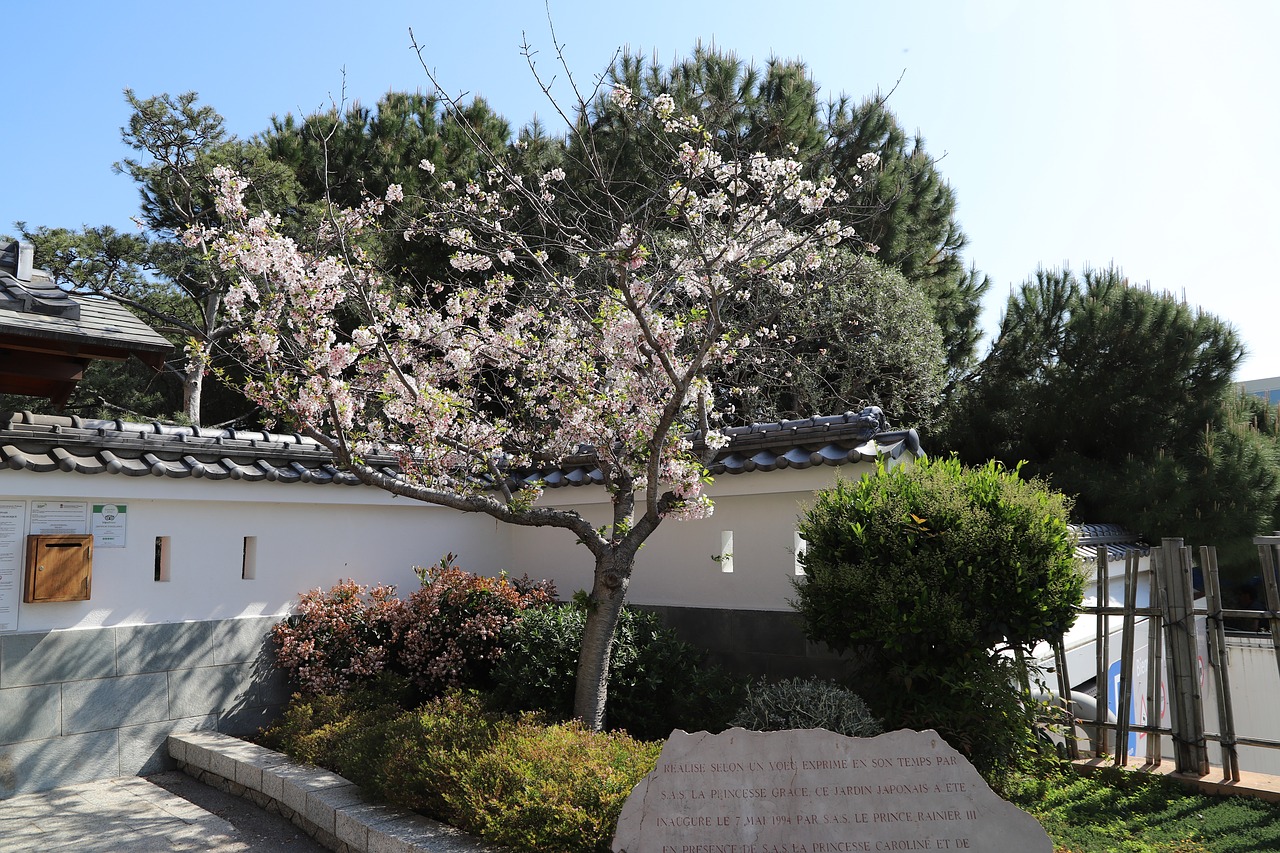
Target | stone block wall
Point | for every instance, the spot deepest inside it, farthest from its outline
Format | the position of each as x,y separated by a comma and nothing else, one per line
98,703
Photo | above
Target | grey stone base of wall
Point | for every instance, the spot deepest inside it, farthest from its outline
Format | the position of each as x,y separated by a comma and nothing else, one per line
767,643
329,808
99,703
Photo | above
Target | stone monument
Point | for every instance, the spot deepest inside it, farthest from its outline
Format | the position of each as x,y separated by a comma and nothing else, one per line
814,791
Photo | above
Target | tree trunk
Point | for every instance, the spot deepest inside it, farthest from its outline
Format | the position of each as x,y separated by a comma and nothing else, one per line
192,388
608,593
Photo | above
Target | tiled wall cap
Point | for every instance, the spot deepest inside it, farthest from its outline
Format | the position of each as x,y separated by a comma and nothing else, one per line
42,443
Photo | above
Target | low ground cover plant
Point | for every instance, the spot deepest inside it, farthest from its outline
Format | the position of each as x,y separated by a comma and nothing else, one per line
516,780
1124,811
805,703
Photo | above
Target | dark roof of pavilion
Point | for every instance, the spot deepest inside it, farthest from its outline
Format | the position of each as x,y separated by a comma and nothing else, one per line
48,335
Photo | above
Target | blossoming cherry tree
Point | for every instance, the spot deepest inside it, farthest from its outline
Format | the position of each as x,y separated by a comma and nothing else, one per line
578,320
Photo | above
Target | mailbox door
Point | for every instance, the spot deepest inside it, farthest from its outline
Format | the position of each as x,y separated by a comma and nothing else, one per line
59,568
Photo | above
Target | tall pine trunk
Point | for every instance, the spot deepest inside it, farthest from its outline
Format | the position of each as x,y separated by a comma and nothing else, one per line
192,389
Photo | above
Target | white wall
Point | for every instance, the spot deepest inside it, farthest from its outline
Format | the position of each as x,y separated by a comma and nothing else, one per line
676,565
1255,693
308,535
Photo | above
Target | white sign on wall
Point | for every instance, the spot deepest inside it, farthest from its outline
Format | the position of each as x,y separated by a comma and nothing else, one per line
13,518
55,517
110,524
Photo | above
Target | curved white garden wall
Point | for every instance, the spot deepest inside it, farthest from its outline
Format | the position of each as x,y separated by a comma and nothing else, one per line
307,535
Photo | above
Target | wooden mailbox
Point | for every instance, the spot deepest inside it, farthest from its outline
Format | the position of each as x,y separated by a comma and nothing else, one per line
59,568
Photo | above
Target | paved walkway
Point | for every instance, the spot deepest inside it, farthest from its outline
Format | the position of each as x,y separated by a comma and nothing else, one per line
159,814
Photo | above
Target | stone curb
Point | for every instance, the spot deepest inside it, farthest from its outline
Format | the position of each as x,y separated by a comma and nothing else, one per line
329,808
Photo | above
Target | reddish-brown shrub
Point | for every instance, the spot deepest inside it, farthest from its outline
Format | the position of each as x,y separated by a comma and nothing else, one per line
339,637
452,628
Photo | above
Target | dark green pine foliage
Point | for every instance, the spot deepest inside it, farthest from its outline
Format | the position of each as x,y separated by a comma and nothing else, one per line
1124,398
179,142
904,206
344,156
1261,422
911,218
743,108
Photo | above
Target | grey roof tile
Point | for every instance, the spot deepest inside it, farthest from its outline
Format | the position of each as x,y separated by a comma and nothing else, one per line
69,443
40,309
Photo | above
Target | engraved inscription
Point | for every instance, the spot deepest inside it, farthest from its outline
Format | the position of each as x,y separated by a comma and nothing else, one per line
817,792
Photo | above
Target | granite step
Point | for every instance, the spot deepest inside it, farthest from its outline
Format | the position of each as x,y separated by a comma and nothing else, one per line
330,809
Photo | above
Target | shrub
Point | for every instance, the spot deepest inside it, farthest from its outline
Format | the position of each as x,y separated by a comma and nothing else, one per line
556,788
348,733
452,629
538,671
806,703
447,634
656,682
938,559
511,780
339,637
429,748
931,570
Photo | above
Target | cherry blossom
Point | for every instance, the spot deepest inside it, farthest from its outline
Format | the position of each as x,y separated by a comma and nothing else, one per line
588,332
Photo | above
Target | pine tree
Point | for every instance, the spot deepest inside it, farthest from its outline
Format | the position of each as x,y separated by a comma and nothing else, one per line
340,156
912,218
1123,397
904,207
180,142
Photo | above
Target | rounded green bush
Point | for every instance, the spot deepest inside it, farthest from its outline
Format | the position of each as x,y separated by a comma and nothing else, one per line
938,560
931,572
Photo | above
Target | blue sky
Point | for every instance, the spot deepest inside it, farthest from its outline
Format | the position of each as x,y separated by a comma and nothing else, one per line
1144,134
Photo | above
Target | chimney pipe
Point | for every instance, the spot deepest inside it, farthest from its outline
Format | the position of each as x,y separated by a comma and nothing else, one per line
26,261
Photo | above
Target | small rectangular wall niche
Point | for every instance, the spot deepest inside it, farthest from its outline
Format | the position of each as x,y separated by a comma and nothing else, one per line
725,558
162,558
798,548
249,559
